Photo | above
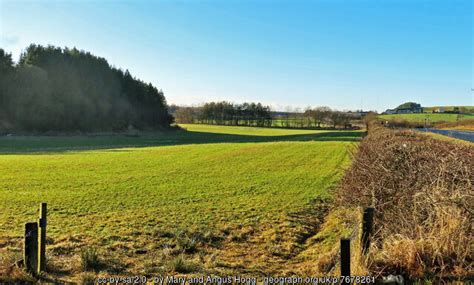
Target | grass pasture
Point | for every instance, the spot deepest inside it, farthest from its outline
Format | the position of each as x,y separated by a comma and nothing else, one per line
195,134
210,199
430,117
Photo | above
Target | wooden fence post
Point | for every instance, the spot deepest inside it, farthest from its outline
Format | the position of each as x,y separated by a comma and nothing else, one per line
42,238
30,250
345,260
367,228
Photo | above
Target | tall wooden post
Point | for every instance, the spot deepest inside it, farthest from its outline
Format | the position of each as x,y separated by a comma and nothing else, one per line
42,238
30,250
367,228
345,260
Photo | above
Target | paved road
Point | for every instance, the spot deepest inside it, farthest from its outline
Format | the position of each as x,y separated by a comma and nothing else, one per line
462,135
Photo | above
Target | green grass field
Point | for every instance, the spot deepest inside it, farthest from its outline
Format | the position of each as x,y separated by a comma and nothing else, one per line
249,131
195,134
431,117
141,200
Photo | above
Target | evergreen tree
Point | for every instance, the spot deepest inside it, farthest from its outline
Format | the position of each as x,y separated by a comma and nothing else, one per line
67,89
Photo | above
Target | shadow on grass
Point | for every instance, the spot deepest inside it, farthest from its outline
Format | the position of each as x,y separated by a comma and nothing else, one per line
61,144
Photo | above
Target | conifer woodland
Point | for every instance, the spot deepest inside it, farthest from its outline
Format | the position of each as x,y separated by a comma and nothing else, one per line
62,89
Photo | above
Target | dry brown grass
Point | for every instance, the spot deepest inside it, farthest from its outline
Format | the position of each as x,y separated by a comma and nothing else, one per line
11,271
403,123
467,125
321,255
422,190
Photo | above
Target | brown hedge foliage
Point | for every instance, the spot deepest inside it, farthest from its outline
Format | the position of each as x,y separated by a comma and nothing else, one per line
422,191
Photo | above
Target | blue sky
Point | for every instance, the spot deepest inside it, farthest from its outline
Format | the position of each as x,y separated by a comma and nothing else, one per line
343,54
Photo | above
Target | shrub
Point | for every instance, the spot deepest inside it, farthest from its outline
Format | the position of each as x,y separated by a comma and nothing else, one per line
421,189
181,265
186,243
90,259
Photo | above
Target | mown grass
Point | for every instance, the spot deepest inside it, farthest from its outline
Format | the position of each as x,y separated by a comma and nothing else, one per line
249,131
190,134
225,189
429,117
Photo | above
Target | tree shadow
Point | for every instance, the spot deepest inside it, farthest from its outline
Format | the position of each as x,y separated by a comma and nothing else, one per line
120,143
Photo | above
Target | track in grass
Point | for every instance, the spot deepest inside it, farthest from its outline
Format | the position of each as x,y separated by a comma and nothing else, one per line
226,183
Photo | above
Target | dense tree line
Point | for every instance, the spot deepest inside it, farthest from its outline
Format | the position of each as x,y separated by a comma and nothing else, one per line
324,115
251,114
225,113
316,118
55,89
